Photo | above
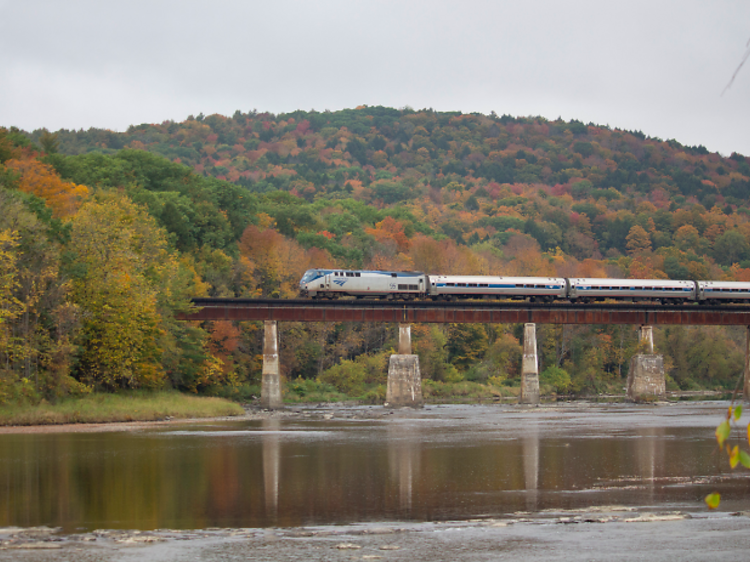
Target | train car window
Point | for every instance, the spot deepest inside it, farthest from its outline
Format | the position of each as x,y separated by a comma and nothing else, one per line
359,274
450,285
393,275
460,284
484,285
471,285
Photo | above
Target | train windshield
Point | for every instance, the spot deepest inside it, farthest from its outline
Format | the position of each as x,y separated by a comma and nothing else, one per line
310,275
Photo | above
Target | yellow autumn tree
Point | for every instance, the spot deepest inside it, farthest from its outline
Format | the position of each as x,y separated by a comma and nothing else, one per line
638,240
10,307
125,272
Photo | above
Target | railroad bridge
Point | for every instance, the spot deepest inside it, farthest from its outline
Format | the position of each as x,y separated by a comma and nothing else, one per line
646,376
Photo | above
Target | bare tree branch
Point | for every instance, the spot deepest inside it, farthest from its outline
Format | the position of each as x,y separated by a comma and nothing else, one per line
744,58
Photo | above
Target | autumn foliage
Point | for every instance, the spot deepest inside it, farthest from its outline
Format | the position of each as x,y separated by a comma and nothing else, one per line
135,223
64,198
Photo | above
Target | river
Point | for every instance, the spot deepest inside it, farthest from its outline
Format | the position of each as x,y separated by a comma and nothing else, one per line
307,469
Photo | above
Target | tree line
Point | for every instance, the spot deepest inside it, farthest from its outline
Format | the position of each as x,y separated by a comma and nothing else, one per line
105,237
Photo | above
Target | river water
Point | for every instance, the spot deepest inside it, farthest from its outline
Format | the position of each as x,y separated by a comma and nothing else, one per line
354,465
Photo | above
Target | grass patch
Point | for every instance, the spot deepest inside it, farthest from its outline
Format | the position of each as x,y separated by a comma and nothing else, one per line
131,406
308,390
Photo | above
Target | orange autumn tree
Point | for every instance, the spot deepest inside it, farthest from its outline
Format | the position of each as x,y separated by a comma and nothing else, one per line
279,262
445,257
39,178
390,231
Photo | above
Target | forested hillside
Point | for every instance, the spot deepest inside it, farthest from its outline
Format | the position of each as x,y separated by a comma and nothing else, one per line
105,236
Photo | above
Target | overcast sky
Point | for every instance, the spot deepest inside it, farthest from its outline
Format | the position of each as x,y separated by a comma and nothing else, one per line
655,66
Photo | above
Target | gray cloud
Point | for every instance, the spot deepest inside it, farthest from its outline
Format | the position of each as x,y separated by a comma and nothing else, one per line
659,67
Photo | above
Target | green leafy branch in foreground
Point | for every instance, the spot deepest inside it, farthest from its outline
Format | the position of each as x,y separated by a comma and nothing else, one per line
736,455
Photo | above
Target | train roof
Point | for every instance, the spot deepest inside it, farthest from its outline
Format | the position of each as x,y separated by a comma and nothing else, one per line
736,284
498,277
373,271
631,282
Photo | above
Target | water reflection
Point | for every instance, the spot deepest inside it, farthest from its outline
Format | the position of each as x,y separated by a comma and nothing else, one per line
649,457
530,452
279,472
404,449
271,463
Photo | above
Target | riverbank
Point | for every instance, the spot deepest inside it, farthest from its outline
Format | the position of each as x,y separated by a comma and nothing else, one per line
112,408
135,411
614,533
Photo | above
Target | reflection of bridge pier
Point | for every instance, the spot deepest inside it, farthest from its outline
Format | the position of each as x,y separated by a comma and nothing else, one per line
404,462
271,465
649,457
530,452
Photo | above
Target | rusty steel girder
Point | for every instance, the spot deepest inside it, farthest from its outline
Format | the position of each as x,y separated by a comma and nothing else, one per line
493,312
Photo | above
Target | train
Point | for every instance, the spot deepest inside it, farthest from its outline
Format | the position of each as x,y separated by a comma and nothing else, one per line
413,285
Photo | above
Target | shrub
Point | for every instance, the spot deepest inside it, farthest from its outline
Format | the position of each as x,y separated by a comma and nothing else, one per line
557,378
354,377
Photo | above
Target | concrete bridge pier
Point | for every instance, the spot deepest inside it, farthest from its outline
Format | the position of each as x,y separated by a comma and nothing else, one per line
646,338
746,385
529,367
270,386
404,379
646,376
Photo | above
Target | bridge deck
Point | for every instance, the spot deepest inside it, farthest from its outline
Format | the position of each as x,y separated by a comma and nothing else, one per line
489,312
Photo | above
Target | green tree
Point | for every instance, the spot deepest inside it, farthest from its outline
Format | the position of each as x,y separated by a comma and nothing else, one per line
556,377
430,344
42,349
731,247
8,149
49,142
467,344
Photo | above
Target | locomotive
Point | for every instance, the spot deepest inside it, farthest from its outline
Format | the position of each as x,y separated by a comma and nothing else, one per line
411,285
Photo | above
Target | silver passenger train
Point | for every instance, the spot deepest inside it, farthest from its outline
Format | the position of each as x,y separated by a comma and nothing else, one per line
410,285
